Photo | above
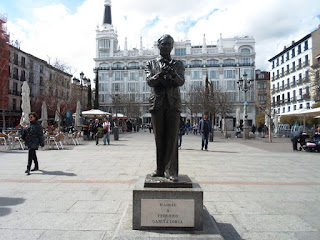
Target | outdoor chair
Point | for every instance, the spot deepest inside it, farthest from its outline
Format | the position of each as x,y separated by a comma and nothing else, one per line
75,138
4,140
56,140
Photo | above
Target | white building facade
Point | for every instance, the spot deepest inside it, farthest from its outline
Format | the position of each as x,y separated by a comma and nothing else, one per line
122,72
290,77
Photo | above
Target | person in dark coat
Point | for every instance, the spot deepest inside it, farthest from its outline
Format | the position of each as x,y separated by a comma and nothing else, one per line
205,129
295,135
95,130
182,130
253,129
33,136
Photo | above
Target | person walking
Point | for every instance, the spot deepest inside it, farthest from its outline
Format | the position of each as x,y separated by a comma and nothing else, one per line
106,131
182,130
205,129
195,128
253,129
95,130
187,127
33,137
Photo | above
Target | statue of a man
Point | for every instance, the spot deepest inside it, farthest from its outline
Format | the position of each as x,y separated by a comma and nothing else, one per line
165,75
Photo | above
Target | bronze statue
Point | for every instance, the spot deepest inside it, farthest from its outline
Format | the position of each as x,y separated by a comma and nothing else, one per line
165,75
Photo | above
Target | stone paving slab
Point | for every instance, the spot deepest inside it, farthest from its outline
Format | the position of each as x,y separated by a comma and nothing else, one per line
253,189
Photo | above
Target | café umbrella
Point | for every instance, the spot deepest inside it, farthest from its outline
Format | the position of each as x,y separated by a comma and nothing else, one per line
44,115
77,118
25,105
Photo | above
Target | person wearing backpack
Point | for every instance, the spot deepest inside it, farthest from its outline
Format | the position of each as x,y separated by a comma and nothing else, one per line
205,129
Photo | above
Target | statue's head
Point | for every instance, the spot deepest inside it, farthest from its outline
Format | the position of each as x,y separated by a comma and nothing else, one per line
165,44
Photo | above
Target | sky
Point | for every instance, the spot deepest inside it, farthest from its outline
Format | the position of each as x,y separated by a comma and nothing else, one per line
65,29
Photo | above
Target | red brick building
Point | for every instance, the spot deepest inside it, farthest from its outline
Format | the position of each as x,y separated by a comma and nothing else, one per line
4,68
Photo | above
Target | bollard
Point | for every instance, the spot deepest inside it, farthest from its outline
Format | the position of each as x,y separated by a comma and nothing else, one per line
116,133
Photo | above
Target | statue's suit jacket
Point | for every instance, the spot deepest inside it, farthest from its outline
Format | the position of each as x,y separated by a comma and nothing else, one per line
168,88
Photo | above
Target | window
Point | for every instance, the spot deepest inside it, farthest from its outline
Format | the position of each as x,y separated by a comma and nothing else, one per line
104,43
196,75
133,87
104,66
118,76
282,71
283,110
117,87
306,60
215,84
15,73
308,105
15,58
249,72
133,76
293,53
293,66
41,68
229,74
196,63
300,106
213,63
288,96
277,62
231,85
133,65
262,86
261,76
282,59
306,45
14,104
180,51
212,74
196,84
299,49
288,108
287,58
23,62
245,51
245,61
118,65
294,107
229,62
104,54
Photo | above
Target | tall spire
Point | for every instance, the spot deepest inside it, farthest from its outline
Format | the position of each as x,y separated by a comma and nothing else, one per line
107,12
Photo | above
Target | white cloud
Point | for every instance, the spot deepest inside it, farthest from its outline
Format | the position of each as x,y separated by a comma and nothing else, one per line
70,37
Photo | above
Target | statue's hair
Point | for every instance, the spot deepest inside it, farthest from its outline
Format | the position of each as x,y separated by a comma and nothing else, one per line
164,37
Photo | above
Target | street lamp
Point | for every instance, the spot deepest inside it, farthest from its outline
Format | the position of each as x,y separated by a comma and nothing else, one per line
116,129
244,85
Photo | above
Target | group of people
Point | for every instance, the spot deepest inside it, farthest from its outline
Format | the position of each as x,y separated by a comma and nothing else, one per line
100,130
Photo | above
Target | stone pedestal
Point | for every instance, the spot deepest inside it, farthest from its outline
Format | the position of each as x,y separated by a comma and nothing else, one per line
159,204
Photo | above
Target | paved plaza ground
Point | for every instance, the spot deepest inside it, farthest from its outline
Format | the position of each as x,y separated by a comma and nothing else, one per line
252,188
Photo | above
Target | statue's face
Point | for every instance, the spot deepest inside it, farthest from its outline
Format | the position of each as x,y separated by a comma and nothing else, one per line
165,47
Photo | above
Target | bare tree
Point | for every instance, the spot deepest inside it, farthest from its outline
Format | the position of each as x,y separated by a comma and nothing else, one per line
314,73
223,107
194,101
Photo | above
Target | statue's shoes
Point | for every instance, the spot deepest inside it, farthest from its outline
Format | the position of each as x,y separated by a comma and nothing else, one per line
156,174
173,178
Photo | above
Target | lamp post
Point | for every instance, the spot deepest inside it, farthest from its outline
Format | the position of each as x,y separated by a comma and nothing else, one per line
116,128
244,85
